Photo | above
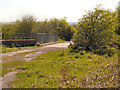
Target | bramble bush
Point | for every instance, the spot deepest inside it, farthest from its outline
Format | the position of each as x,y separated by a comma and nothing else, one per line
96,31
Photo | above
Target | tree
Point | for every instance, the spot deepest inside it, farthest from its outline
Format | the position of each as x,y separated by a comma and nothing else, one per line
44,27
26,24
96,29
62,28
9,28
117,19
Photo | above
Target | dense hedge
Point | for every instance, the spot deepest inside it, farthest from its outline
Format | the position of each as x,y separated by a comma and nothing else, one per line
18,43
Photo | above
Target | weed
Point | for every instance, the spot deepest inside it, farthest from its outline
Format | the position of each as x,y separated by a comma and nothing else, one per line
65,71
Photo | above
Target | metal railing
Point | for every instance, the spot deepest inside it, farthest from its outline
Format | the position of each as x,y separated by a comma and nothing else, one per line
18,36
39,37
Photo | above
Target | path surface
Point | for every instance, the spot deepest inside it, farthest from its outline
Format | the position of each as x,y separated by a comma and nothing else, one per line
44,48
8,78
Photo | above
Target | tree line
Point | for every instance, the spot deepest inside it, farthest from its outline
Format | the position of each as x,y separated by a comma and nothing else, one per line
29,24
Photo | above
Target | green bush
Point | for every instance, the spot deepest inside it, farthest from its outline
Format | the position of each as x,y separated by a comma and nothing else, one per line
92,34
109,52
18,43
75,48
38,44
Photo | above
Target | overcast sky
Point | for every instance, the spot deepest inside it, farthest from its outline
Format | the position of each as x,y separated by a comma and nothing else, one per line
10,10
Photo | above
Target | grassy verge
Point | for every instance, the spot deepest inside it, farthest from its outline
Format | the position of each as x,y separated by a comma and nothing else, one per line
62,41
68,70
13,49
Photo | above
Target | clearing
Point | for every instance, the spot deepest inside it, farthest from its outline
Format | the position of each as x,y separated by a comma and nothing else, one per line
11,60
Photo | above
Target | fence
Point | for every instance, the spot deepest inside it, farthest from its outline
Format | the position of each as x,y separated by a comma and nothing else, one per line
46,37
28,38
18,36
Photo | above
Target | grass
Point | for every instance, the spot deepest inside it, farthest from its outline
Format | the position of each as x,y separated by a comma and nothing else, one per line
5,49
62,41
67,70
13,49
12,62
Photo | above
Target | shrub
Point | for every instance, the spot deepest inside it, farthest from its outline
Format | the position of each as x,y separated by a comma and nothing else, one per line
96,29
105,51
75,48
18,43
38,44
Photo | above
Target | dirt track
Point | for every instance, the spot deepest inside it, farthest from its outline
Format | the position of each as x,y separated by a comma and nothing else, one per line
5,81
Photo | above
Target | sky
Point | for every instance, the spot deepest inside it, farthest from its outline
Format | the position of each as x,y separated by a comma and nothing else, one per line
10,10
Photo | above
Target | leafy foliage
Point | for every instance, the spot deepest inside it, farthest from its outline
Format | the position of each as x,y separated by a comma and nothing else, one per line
63,29
9,28
26,24
29,24
43,27
97,28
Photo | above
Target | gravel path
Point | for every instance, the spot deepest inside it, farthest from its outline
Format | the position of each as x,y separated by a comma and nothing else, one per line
8,78
53,46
